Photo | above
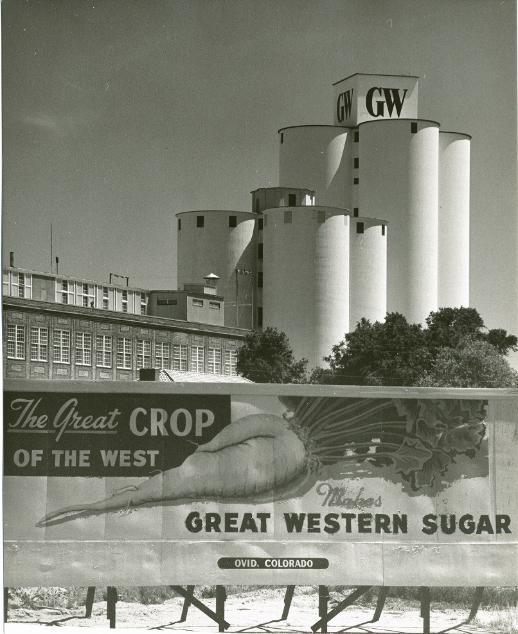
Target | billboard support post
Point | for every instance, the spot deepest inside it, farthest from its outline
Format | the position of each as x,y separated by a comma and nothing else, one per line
217,616
90,596
287,602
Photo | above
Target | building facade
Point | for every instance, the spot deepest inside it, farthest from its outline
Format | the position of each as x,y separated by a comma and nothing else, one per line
73,334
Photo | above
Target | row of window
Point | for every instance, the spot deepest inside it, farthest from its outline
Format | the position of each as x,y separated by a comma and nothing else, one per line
175,357
93,296
74,293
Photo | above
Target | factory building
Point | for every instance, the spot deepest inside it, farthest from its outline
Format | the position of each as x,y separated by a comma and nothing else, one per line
371,214
59,327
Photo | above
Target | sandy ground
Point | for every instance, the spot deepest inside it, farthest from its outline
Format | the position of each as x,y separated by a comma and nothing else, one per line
258,611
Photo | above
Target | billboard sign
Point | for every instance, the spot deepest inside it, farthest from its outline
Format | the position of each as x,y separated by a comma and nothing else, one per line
153,484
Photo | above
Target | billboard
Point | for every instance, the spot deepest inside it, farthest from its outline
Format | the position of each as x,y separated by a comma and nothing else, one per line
150,484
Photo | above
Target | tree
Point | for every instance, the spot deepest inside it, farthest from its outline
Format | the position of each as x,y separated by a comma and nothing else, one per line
473,363
392,352
267,357
395,352
448,327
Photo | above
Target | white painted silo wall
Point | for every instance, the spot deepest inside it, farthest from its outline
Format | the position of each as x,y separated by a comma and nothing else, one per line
220,249
399,183
367,271
454,181
317,157
306,279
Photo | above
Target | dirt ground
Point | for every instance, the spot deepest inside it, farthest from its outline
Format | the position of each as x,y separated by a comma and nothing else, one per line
260,611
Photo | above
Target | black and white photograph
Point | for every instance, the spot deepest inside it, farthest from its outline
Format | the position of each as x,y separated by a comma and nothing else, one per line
260,316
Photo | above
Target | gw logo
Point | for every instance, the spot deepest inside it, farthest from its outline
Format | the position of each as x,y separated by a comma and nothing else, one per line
390,97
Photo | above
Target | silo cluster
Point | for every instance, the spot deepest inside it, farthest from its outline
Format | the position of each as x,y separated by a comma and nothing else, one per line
370,215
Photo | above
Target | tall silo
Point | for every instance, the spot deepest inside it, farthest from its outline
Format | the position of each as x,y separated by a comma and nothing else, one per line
367,270
265,198
398,181
220,242
454,181
306,277
317,157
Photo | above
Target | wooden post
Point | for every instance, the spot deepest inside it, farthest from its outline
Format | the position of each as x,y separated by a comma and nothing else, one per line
111,601
425,609
90,595
201,606
323,598
186,603
221,596
6,604
356,594
287,601
382,596
479,591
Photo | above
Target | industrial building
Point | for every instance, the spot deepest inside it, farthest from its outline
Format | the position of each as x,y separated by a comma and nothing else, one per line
58,327
371,214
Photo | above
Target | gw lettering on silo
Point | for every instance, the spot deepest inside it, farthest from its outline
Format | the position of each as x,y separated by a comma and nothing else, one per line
390,97
344,105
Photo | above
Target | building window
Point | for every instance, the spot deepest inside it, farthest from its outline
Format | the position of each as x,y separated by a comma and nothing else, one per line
124,353
282,137
197,359
413,127
103,355
85,295
321,216
197,302
232,221
106,298
260,317
259,279
260,251
292,200
83,348
383,229
214,361
257,205
166,301
288,217
179,224
21,285
215,305
124,301
355,212
61,346
143,353
162,359
39,344
200,222
15,341
260,224
360,227
230,363
66,292
356,181
180,357
356,136
356,162
143,304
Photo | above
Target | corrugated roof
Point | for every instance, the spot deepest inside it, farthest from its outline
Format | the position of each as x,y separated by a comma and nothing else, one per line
176,376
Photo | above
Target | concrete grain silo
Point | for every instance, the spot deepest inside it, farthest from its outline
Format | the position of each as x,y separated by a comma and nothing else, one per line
306,277
367,270
398,181
317,157
454,181
223,243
